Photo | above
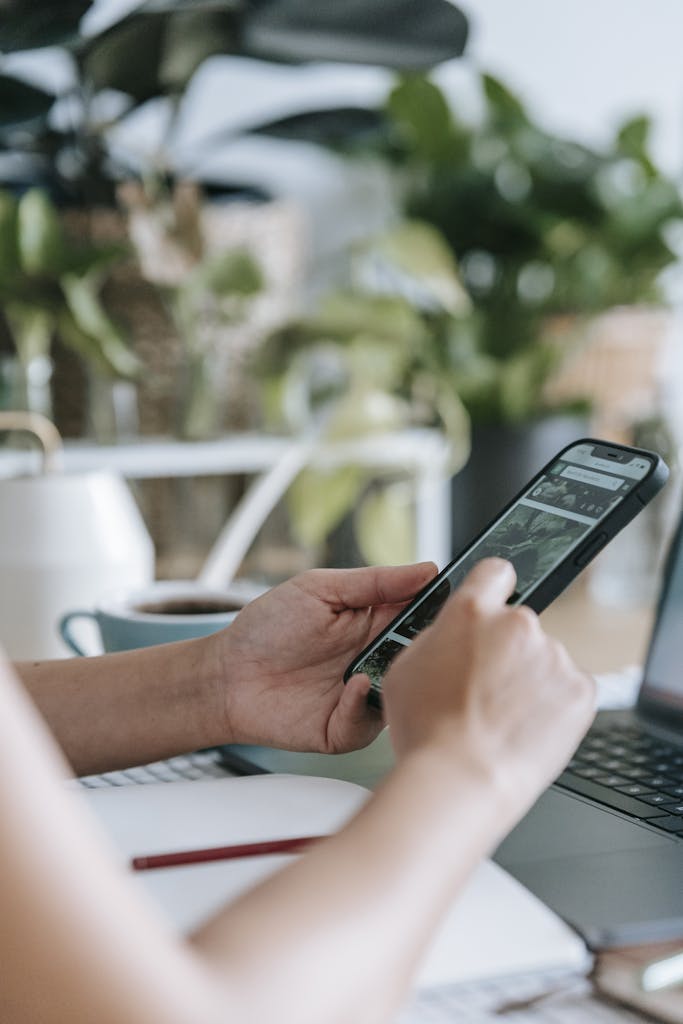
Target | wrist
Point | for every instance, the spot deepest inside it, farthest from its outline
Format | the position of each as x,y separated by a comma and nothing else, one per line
457,778
212,667
449,779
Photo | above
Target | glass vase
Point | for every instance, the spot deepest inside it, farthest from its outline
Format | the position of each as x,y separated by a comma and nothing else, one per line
112,409
26,385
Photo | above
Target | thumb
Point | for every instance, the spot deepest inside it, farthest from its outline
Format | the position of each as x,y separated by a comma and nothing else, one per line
375,585
490,583
353,723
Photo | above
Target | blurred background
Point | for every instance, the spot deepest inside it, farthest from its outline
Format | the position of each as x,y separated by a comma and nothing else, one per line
384,258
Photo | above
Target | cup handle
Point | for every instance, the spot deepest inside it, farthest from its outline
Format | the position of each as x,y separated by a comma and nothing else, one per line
65,630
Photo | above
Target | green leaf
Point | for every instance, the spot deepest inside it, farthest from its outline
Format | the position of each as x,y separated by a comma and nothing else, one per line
156,49
30,24
634,135
362,412
93,259
398,34
521,379
79,342
191,37
31,329
318,501
125,57
336,128
41,241
22,105
419,251
233,272
91,332
199,413
638,220
372,362
9,243
384,524
455,422
422,118
503,104
344,315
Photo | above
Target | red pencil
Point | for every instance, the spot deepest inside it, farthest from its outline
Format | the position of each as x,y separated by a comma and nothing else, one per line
172,860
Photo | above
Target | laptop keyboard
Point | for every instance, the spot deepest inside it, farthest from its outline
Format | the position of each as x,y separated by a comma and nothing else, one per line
631,771
204,764
497,1001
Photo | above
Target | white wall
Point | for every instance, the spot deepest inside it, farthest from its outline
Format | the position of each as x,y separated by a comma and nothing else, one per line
584,64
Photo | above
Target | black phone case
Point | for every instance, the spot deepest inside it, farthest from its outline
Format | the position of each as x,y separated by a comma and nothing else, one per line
551,587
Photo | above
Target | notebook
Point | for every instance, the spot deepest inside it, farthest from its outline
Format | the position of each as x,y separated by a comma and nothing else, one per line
495,928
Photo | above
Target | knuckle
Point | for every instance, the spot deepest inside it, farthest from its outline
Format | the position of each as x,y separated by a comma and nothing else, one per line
580,687
469,604
586,686
561,656
524,620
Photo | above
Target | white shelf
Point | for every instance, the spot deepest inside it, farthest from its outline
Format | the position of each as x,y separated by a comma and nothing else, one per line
234,453
423,453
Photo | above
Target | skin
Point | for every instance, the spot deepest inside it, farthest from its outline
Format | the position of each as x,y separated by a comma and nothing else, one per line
274,676
484,710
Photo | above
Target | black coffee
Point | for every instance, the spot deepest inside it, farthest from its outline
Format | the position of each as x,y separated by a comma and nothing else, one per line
188,606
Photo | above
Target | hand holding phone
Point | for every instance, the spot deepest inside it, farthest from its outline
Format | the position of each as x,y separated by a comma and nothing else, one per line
556,525
490,695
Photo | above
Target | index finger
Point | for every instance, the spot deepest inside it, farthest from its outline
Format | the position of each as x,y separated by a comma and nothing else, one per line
490,583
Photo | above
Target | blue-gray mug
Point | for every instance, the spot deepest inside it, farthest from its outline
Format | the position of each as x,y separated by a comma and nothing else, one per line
160,613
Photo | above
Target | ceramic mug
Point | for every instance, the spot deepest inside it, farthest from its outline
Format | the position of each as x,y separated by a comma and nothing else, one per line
160,613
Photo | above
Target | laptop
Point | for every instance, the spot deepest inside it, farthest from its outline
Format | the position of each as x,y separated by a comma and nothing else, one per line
604,845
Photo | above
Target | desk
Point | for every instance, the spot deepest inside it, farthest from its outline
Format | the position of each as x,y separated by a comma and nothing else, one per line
599,638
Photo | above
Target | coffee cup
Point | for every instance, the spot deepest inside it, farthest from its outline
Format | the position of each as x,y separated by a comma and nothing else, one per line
159,613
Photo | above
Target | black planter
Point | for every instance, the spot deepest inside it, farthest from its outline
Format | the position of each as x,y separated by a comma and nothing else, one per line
503,459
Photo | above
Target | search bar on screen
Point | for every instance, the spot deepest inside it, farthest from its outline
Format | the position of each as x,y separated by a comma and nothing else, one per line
588,476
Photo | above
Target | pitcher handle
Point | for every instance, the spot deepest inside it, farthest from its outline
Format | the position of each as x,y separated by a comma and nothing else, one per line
43,429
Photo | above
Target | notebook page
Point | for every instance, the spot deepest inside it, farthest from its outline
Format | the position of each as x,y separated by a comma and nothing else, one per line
496,927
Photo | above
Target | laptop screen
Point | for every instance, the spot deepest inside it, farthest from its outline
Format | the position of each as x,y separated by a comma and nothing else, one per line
662,688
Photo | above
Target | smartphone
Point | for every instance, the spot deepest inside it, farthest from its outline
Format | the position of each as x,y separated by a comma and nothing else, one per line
553,528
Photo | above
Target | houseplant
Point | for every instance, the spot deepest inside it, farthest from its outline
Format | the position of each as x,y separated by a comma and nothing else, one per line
546,232
50,289
371,358
69,140
152,53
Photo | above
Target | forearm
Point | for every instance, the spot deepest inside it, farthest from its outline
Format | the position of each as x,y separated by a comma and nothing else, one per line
339,933
131,708
334,938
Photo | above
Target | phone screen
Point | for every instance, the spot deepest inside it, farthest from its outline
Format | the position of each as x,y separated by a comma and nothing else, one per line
544,525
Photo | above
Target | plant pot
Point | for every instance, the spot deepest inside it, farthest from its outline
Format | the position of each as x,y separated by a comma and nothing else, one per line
503,458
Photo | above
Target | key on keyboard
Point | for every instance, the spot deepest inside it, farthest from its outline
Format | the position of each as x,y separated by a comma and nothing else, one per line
477,1003
204,764
630,771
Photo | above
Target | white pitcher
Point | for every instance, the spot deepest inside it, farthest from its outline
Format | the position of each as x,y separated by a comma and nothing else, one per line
65,540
